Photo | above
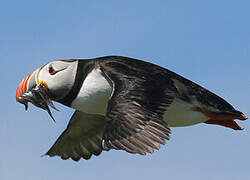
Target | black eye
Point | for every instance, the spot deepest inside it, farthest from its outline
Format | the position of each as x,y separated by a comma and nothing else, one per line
52,71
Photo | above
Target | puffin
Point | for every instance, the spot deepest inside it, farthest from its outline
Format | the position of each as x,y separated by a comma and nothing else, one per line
121,103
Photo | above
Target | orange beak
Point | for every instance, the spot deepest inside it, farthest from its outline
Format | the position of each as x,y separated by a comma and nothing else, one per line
23,87
30,90
27,83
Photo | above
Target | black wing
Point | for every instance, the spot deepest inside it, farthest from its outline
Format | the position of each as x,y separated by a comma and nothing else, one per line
135,110
82,138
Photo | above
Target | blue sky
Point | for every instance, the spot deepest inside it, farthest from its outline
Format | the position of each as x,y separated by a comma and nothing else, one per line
205,41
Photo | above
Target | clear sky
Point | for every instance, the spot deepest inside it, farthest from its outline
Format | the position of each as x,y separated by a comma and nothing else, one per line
205,41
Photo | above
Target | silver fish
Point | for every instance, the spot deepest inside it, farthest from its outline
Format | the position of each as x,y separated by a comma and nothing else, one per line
38,96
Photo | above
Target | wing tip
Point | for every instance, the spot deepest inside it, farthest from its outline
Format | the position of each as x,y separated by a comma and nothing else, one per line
66,157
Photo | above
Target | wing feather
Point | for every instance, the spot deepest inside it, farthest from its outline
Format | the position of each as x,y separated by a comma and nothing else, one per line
82,138
135,110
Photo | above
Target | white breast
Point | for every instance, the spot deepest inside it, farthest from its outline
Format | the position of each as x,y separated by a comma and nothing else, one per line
94,94
181,113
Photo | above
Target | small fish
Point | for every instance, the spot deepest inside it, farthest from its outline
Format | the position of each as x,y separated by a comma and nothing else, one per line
38,96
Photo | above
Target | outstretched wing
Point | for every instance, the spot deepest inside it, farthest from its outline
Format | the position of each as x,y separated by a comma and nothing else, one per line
82,137
135,111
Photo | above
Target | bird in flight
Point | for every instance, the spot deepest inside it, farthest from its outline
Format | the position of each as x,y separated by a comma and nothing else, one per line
120,103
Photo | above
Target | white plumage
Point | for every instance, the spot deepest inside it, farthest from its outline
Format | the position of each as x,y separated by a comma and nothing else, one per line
94,94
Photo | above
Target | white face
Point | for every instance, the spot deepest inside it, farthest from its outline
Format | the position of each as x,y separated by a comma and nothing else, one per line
59,77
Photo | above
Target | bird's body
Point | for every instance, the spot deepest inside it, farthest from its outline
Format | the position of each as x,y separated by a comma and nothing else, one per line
124,103
96,90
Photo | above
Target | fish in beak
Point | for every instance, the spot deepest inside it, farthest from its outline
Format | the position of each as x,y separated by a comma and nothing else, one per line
29,90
